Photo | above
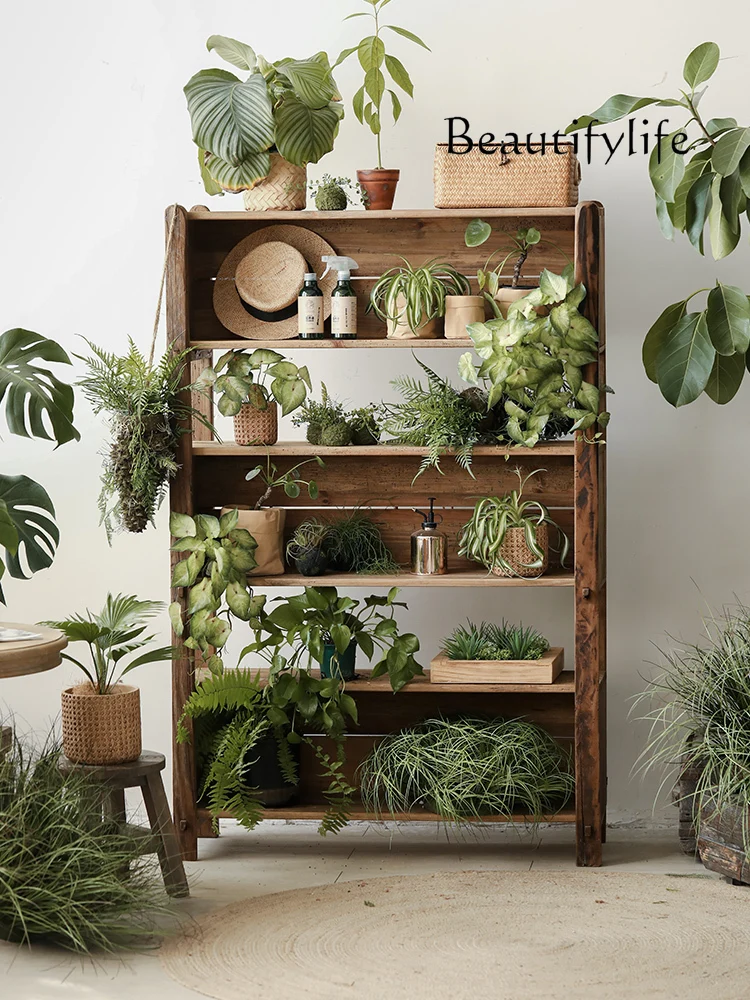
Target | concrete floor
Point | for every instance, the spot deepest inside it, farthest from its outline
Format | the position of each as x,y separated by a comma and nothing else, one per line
279,856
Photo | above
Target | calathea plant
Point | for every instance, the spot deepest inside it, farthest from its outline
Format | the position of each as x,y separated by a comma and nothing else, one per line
533,363
257,379
214,571
29,394
700,173
291,107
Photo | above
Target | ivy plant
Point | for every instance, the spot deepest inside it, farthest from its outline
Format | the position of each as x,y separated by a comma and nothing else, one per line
257,378
534,363
697,180
214,570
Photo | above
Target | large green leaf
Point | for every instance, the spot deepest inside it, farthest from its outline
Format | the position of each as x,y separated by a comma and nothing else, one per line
304,135
697,166
371,53
728,317
29,507
744,171
231,118
211,186
686,360
724,234
477,232
666,167
310,79
241,177
729,150
725,378
236,53
407,34
697,207
32,393
657,335
618,106
399,74
701,64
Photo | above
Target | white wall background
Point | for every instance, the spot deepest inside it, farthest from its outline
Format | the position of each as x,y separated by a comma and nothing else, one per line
97,143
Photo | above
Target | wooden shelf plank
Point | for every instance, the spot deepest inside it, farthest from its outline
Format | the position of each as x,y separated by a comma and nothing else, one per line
364,685
304,449
462,578
316,811
295,344
200,214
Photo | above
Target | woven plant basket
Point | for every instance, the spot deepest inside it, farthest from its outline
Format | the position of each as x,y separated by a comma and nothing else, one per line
506,180
253,426
101,728
516,552
285,188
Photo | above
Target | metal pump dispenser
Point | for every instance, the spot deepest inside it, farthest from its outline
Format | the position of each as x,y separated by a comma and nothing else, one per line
429,547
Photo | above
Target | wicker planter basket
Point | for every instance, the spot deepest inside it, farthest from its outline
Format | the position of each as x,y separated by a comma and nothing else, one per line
101,728
506,180
518,555
285,188
253,426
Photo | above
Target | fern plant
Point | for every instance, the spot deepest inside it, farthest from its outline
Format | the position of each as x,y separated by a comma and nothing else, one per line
147,414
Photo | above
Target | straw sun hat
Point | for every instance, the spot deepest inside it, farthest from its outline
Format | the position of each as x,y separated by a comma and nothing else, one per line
255,291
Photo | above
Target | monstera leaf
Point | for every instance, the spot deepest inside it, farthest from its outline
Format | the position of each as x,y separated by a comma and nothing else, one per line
27,527
30,392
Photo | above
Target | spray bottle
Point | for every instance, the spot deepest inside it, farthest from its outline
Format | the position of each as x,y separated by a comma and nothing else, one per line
429,546
343,298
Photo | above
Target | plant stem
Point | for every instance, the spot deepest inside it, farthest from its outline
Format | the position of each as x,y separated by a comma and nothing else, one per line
699,120
380,122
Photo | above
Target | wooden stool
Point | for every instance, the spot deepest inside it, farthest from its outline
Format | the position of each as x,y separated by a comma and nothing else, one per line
144,773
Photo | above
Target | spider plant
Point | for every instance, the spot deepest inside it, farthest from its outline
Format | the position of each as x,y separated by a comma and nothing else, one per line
482,538
416,294
354,545
700,713
467,767
490,641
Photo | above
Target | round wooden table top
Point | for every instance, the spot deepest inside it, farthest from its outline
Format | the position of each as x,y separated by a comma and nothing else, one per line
31,656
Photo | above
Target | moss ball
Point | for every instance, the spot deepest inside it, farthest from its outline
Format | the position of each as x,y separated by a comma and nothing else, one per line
331,198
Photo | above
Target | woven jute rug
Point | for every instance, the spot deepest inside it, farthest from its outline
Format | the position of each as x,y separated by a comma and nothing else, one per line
581,935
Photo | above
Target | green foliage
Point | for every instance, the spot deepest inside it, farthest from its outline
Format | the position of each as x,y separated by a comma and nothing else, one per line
353,544
318,416
214,571
147,414
481,539
246,380
490,641
364,423
467,767
300,626
333,194
34,401
688,354
113,634
416,295
291,106
290,481
478,232
336,435
310,534
532,364
61,876
371,53
699,705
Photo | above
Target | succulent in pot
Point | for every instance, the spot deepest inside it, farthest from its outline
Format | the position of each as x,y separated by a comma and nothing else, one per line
306,547
410,300
101,719
249,387
257,135
509,535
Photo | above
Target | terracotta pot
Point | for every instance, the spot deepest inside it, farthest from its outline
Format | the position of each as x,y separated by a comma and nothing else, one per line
400,329
380,186
253,426
460,310
506,295
101,728
284,188
267,528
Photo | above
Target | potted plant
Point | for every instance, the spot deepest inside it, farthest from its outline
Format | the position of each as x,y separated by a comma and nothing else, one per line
364,424
410,299
354,544
496,654
367,103
509,535
326,421
334,194
306,547
266,524
500,296
101,719
257,135
250,389
322,627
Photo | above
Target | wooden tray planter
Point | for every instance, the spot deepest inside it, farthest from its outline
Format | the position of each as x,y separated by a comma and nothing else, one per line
545,670
721,845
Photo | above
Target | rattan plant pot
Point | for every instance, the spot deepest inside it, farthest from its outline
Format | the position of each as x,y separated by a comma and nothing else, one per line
101,728
285,188
252,426
511,180
518,555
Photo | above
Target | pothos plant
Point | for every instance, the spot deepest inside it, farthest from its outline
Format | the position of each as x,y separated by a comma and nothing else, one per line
214,570
700,173
533,364
257,379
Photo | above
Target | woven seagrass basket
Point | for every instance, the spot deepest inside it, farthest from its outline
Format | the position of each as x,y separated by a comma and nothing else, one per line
518,555
506,180
101,728
285,188
253,426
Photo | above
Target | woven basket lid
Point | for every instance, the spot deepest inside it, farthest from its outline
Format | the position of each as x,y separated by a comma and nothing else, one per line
284,250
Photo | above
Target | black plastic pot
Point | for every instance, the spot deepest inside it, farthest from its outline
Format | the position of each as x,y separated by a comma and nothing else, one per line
265,774
311,562
363,435
339,665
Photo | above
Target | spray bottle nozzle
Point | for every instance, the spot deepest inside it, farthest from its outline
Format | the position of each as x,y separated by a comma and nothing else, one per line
340,264
428,520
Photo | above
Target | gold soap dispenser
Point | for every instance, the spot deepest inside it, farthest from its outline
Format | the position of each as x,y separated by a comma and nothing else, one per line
429,546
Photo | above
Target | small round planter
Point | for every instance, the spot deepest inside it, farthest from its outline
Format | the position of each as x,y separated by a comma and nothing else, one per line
262,771
518,555
311,562
339,665
253,426
380,186
460,310
101,728
285,188
364,436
